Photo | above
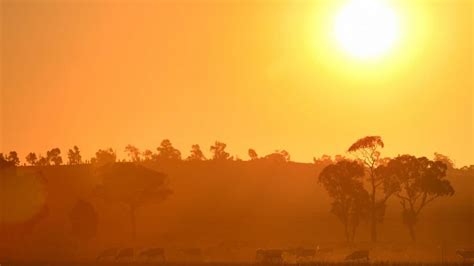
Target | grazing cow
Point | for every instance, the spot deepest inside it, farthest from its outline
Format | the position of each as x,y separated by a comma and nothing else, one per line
126,253
273,256
358,255
108,253
466,255
323,252
153,254
302,253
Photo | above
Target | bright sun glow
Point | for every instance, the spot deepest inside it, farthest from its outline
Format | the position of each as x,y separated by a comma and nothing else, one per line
366,29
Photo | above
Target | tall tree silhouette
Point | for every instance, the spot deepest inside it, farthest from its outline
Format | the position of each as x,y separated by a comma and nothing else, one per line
416,182
74,156
54,156
42,161
196,154
4,162
147,155
167,151
31,158
367,150
133,152
103,157
13,158
343,182
218,151
253,154
132,185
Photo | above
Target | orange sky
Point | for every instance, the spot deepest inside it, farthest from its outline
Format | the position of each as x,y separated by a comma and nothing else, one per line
260,74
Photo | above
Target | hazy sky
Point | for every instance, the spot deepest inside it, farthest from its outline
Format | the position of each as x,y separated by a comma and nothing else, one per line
259,74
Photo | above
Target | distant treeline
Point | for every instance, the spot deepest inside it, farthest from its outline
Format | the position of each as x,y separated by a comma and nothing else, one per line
166,151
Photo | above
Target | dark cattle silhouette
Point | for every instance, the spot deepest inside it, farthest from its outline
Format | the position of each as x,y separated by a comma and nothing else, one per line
358,255
125,253
466,255
153,254
108,253
302,253
323,252
269,256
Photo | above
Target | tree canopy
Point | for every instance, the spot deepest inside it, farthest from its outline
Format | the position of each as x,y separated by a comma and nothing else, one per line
132,185
343,182
367,151
416,182
167,151
196,154
218,151
74,156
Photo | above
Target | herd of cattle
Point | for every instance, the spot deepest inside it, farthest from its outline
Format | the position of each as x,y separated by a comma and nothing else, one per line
302,254
264,256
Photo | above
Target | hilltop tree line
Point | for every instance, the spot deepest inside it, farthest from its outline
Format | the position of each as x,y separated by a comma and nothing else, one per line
165,151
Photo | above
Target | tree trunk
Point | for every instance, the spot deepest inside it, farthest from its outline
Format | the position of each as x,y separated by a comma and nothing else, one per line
353,233
373,216
411,228
346,232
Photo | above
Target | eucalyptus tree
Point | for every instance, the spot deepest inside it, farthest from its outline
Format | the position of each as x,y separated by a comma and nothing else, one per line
417,182
367,151
31,158
166,151
74,156
133,152
218,151
196,154
133,186
344,183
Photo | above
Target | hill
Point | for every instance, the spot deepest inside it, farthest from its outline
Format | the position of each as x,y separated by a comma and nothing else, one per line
230,203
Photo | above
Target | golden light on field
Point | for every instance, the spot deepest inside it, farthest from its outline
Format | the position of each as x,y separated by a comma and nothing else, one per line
366,28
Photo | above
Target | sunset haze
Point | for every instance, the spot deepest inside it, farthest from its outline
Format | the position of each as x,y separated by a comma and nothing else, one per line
253,74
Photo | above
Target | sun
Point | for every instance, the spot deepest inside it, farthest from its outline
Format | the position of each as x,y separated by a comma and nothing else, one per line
366,29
